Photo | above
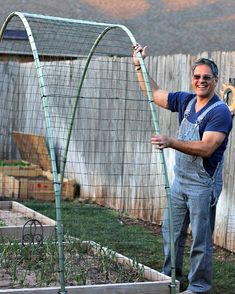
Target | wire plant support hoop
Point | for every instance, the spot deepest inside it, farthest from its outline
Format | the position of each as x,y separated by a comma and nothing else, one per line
105,29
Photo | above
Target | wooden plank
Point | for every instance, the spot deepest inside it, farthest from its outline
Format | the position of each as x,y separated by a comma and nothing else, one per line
160,287
33,149
69,185
9,186
10,169
23,188
15,232
30,213
1,184
34,188
43,189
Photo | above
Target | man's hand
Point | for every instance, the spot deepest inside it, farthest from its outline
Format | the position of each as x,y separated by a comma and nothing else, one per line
160,97
204,148
161,141
138,48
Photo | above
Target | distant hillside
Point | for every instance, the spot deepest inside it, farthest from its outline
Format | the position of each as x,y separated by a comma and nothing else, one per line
166,26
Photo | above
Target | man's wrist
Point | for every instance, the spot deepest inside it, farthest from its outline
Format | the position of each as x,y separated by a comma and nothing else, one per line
137,67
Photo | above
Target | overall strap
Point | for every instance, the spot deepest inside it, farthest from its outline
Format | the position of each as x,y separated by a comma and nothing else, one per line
188,108
204,113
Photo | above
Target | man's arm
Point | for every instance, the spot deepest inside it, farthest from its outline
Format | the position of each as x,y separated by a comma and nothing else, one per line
204,148
160,97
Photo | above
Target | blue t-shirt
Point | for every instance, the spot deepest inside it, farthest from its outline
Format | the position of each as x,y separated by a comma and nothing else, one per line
219,119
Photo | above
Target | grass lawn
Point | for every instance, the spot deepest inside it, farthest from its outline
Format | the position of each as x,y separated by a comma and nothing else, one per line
131,238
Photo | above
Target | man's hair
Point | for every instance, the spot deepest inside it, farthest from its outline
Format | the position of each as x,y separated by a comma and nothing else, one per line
208,62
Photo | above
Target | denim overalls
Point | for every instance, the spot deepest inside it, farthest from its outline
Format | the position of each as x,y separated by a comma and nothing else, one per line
194,195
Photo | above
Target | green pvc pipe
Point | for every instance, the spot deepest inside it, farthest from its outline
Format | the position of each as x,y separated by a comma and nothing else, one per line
49,140
167,184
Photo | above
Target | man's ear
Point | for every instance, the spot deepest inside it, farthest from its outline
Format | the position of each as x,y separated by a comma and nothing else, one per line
216,80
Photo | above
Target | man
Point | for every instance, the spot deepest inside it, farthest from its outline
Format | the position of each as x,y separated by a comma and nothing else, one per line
205,123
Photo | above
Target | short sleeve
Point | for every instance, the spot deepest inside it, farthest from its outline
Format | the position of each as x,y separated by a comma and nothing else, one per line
178,101
219,120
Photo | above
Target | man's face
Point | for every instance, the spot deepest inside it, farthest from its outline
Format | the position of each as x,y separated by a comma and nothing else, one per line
203,81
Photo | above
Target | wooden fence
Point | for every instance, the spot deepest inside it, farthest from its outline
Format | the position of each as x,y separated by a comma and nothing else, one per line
171,73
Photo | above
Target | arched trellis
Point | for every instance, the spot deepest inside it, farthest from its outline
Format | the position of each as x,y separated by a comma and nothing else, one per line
43,89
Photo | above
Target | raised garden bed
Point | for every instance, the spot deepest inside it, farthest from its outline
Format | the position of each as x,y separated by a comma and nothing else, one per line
90,268
39,187
13,217
19,168
31,177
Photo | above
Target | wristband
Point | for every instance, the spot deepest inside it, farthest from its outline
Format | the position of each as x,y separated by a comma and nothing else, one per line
138,68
